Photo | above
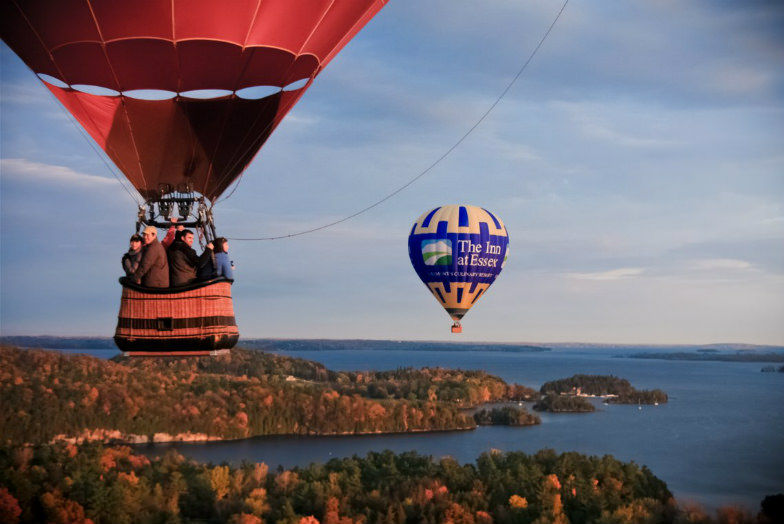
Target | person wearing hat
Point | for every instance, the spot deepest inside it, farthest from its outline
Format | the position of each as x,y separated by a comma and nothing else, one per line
131,259
153,270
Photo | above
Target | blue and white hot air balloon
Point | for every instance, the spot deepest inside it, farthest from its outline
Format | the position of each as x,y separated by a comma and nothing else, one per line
458,251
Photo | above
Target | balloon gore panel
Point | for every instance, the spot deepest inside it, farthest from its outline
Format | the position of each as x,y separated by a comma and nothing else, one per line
179,46
204,143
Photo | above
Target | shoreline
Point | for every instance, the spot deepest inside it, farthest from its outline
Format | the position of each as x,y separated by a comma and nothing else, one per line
117,438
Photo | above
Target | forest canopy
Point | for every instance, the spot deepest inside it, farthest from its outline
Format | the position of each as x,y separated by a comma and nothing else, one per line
77,484
44,478
48,395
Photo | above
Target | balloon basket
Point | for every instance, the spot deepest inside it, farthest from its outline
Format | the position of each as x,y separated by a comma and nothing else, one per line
192,320
457,328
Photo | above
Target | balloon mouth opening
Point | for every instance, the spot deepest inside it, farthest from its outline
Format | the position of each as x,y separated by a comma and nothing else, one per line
456,314
246,93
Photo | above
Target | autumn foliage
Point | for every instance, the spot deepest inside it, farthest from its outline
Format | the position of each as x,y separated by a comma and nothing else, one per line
104,484
49,395
113,485
46,478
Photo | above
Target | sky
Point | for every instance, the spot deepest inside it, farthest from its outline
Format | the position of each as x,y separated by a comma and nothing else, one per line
638,164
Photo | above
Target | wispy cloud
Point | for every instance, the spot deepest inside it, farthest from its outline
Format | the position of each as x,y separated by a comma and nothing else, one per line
21,92
36,172
739,80
612,274
720,264
617,122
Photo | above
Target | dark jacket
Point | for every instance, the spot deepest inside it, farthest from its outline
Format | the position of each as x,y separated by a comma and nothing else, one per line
184,262
130,262
209,270
154,268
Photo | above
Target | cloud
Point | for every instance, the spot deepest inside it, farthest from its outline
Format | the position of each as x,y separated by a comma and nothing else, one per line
618,123
22,93
720,264
763,253
29,172
612,274
739,80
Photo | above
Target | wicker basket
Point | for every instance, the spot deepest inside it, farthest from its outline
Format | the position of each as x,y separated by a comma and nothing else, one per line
197,319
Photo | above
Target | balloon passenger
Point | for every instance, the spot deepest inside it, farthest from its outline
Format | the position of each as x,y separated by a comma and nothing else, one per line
223,266
154,268
220,265
171,234
131,259
183,260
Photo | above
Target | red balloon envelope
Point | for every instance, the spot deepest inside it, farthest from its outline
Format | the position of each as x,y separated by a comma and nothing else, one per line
180,46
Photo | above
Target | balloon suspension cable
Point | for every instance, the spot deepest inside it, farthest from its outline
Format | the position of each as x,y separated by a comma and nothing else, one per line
439,159
178,206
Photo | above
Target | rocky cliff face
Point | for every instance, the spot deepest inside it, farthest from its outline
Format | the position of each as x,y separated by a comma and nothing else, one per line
114,436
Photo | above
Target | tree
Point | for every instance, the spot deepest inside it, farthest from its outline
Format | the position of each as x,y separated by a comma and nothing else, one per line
518,502
245,518
256,502
220,481
550,501
60,510
9,507
772,509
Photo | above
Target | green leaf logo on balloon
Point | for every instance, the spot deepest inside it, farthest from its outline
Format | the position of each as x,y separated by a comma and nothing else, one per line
437,252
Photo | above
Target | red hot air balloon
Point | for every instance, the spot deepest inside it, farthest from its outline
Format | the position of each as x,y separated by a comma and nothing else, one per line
222,76
180,47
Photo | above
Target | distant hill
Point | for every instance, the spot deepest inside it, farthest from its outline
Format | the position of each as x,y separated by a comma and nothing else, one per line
53,342
381,345
728,346
272,344
714,355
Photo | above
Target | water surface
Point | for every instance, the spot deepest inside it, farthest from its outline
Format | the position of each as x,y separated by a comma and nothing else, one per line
717,442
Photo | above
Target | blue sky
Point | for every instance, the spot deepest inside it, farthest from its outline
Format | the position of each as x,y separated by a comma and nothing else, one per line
638,164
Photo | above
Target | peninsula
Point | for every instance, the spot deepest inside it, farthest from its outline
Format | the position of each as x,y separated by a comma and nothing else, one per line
50,395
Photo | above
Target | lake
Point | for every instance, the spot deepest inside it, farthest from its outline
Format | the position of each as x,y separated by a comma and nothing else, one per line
718,441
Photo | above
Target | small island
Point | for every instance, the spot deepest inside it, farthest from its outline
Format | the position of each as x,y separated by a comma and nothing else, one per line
506,416
564,404
569,394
